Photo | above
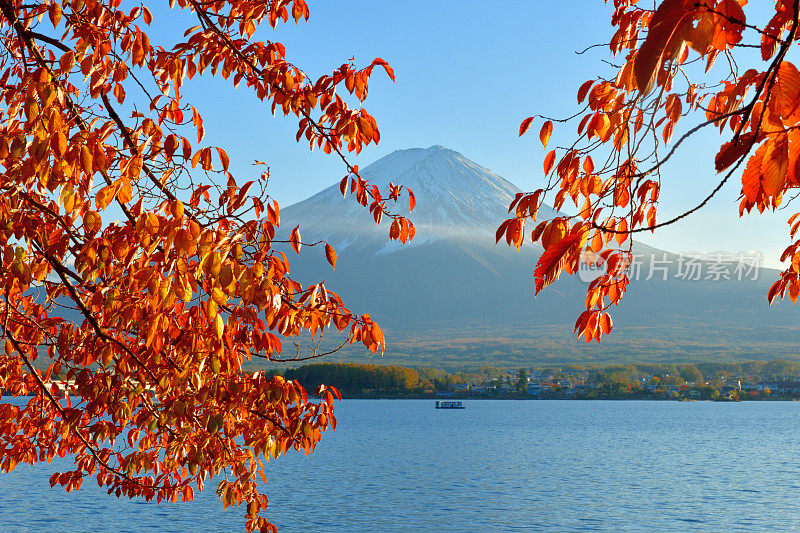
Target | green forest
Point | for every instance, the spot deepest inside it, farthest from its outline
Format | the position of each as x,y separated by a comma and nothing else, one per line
372,381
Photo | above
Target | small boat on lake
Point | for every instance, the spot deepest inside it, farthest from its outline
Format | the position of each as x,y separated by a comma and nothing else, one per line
449,405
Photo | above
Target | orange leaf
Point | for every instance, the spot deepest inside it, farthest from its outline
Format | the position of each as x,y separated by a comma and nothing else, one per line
55,13
544,133
549,161
223,157
104,197
733,19
591,327
597,242
667,134
377,335
394,230
274,213
294,240
774,165
622,227
606,323
794,292
92,222
125,193
515,233
787,89
59,143
588,164
537,231
87,160
330,254
751,185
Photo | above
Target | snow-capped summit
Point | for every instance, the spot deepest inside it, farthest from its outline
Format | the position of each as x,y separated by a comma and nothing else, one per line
455,196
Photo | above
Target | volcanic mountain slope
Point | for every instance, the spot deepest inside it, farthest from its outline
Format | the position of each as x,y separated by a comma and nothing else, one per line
452,297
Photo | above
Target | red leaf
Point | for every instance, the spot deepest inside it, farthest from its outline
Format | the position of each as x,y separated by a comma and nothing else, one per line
552,261
730,152
501,230
525,125
580,324
389,70
773,291
584,90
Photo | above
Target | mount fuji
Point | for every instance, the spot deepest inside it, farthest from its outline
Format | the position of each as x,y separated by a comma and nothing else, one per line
453,298
455,198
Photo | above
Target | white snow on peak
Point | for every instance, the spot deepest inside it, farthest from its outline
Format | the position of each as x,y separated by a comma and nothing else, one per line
455,196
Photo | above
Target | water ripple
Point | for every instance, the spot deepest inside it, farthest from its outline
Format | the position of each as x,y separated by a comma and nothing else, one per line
498,465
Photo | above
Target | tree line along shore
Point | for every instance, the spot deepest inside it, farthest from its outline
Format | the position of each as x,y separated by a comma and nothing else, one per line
752,380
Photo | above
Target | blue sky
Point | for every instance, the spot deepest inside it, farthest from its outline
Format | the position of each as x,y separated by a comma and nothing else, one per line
467,73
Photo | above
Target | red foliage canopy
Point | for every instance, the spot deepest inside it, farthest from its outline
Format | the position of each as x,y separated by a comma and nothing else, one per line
191,282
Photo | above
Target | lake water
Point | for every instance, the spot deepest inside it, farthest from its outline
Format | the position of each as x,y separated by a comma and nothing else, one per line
401,465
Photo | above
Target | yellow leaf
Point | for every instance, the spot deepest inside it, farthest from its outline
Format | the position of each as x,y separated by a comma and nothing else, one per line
219,326
219,296
211,309
86,160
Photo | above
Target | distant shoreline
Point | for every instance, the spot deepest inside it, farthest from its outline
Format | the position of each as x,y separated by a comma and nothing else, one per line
494,398
7,394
